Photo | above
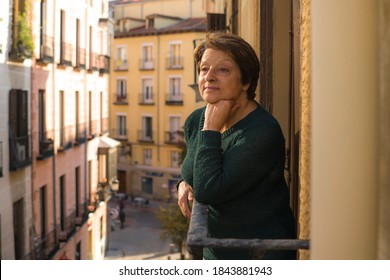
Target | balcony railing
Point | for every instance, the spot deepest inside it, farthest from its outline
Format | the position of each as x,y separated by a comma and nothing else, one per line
146,99
93,61
66,138
20,152
198,237
46,54
145,136
174,62
81,214
146,64
46,145
68,226
120,64
174,137
80,58
120,98
93,129
174,99
81,134
47,246
119,133
66,54
104,64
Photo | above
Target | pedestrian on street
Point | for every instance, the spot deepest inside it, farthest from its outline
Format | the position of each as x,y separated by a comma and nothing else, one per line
235,153
122,214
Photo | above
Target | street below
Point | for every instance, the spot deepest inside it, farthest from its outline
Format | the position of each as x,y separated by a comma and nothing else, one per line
139,239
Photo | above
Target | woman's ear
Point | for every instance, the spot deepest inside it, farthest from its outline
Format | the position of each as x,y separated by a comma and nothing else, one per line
245,87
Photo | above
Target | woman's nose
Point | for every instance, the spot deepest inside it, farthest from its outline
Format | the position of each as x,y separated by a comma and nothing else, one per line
210,75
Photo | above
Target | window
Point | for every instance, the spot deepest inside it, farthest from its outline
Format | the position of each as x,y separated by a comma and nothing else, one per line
174,135
121,91
62,203
19,146
42,210
147,185
147,91
216,22
65,48
121,58
42,115
174,95
175,159
147,57
147,156
121,126
175,59
62,119
77,190
146,132
46,41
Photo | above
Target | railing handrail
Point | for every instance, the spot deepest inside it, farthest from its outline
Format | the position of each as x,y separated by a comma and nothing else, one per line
198,236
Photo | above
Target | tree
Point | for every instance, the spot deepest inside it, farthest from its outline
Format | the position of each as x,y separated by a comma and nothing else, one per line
174,225
24,42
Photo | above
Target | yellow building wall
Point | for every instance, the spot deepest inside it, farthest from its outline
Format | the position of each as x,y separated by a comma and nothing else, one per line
159,169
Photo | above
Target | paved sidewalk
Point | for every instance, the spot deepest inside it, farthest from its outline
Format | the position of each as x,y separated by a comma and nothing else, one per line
140,238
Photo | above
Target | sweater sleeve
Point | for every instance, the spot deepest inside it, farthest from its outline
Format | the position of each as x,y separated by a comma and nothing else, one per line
221,176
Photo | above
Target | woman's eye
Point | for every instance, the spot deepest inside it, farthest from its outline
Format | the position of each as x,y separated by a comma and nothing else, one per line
222,69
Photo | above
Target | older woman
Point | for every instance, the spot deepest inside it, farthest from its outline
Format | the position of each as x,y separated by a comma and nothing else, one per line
235,153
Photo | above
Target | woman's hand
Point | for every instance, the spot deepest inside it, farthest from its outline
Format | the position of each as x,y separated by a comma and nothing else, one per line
217,114
185,196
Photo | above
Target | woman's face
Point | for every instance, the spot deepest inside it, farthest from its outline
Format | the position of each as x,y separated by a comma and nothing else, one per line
220,77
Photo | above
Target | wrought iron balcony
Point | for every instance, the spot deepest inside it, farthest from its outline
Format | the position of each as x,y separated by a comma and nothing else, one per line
174,98
66,138
174,62
66,54
198,237
46,145
81,134
67,227
80,58
46,54
120,65
120,98
174,137
146,98
104,64
20,152
146,64
45,246
93,62
93,129
119,133
145,136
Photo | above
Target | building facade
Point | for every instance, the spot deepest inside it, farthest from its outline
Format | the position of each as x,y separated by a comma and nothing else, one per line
58,161
16,220
151,93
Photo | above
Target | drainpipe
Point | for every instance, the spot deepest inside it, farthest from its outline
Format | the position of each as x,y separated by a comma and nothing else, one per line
158,98
86,166
54,124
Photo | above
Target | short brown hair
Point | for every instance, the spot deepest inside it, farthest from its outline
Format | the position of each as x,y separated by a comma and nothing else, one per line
239,50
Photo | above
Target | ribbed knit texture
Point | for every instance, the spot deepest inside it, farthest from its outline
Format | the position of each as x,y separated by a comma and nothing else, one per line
239,174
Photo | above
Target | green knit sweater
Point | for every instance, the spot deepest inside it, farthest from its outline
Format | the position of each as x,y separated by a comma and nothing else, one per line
239,174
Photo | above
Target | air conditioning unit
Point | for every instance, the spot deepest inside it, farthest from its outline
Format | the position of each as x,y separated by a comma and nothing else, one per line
21,150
